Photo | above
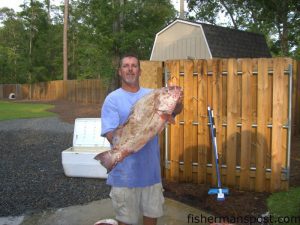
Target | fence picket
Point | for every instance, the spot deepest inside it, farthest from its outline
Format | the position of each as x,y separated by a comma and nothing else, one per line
174,68
188,119
246,130
263,105
217,107
202,137
278,88
232,119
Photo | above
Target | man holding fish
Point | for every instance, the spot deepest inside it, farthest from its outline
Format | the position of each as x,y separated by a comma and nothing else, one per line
132,116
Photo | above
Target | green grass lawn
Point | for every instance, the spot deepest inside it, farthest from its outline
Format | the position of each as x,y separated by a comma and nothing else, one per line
14,110
285,206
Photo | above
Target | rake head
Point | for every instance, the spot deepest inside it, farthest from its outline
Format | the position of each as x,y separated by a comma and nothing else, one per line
220,192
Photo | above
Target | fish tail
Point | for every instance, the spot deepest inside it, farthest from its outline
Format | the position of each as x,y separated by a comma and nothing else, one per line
107,159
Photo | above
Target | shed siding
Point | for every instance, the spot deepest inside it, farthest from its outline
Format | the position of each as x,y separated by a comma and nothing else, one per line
180,41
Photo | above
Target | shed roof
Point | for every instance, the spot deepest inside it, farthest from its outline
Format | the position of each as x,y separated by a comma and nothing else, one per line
226,42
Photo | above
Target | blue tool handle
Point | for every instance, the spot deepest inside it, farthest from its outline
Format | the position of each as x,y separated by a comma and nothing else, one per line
214,143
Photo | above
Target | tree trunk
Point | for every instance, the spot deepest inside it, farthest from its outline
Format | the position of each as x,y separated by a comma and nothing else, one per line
181,9
283,13
30,41
48,5
117,27
230,13
65,40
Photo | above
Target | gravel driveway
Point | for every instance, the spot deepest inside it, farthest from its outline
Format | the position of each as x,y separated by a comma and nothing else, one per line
32,176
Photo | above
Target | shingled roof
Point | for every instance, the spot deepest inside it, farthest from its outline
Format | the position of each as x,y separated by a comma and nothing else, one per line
183,39
225,42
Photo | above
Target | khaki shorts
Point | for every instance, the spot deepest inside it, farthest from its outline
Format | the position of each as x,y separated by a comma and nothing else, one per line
129,202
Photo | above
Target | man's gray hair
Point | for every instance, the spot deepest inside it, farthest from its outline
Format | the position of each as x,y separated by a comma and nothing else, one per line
129,55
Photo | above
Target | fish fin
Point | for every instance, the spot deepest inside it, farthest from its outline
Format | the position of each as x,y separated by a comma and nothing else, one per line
107,160
116,135
167,117
171,119
161,128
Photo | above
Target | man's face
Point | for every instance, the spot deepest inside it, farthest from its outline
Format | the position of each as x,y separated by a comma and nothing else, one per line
130,71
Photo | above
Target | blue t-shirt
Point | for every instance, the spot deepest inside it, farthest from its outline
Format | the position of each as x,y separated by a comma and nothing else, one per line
139,169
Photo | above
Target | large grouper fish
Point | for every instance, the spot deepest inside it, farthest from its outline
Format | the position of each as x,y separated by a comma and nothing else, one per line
147,119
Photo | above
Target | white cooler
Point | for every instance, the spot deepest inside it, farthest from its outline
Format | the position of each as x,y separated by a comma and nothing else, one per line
78,161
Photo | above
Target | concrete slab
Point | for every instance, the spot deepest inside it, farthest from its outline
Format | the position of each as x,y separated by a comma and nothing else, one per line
176,213
11,220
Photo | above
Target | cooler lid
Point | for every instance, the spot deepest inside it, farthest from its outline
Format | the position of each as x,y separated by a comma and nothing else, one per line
87,133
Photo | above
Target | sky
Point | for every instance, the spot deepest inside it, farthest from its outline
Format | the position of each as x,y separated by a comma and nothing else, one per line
15,3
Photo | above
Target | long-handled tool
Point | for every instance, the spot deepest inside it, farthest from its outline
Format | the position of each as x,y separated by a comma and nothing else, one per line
219,191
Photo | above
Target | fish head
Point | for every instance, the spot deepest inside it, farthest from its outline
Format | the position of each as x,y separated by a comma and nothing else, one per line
168,98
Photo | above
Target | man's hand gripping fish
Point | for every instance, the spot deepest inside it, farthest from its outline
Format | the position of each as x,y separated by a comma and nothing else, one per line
147,119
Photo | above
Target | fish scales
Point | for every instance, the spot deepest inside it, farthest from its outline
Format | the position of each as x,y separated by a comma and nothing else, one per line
147,119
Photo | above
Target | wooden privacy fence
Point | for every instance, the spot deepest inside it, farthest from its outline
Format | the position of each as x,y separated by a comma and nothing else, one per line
6,89
82,91
250,99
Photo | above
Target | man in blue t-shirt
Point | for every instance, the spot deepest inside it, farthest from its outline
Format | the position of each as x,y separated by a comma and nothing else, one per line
136,181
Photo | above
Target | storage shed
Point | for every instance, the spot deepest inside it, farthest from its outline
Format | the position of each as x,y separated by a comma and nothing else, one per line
183,39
